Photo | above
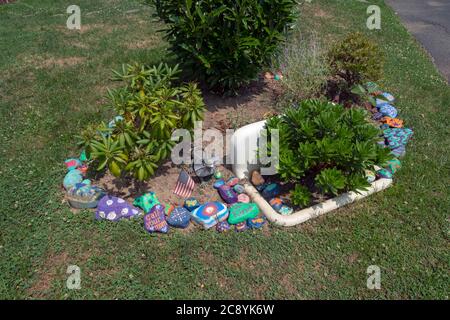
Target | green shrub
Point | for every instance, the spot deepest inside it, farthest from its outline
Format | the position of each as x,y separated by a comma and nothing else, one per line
148,109
304,67
327,144
301,196
225,42
356,59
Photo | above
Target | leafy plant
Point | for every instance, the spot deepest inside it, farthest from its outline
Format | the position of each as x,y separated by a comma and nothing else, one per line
328,144
369,92
301,196
149,108
225,42
355,60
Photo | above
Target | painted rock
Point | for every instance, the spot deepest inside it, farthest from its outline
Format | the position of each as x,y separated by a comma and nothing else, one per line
389,97
399,152
218,184
147,201
256,223
271,191
114,208
241,226
370,176
285,210
155,220
83,156
380,102
384,126
228,195
83,169
209,214
240,212
232,181
84,196
393,122
191,204
393,165
388,110
72,178
239,188
179,218
218,174
276,203
168,208
383,173
72,163
223,226
243,198
257,179
261,187
396,137
377,116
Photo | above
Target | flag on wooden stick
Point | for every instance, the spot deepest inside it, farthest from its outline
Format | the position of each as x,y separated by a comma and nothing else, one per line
185,185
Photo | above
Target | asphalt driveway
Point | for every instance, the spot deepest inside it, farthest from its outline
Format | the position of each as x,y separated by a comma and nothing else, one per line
429,22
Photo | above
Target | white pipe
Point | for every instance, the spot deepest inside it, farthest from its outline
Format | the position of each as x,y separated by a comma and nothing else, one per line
316,210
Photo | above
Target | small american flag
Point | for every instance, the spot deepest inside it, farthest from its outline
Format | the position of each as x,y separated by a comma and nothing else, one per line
185,185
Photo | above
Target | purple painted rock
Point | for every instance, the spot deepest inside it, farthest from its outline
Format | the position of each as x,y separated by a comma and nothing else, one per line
209,214
399,152
271,191
240,212
223,226
179,218
228,194
155,220
114,208
377,116
241,226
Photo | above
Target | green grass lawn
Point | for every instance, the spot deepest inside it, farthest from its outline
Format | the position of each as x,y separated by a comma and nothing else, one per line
52,85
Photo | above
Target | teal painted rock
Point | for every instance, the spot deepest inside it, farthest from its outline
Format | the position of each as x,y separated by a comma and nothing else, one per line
383,173
146,202
286,210
239,188
393,165
240,212
209,214
72,178
370,176
218,174
271,191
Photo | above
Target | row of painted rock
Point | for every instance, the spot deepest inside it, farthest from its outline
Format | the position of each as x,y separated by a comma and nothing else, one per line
395,135
270,191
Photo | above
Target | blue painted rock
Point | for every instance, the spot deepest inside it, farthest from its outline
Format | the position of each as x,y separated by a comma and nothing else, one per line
276,203
261,187
72,178
243,198
72,163
223,226
228,195
241,226
179,218
388,110
155,220
239,188
389,97
370,176
393,165
271,191
285,210
209,214
383,173
114,208
240,212
399,152
218,184
256,223
147,201
232,181
191,204
84,196
380,102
